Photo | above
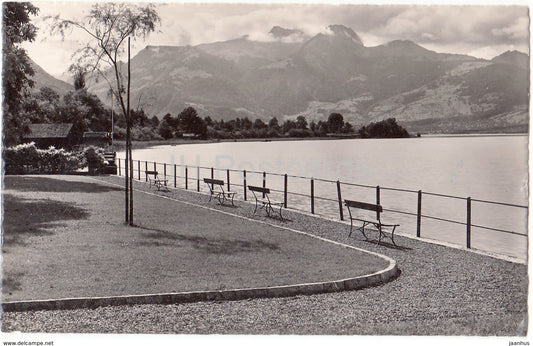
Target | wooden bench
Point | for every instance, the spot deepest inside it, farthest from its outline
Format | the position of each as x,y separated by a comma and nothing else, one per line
154,180
265,202
110,167
376,224
110,157
219,193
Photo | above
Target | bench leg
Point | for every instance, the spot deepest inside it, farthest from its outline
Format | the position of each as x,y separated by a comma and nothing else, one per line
362,229
268,208
392,235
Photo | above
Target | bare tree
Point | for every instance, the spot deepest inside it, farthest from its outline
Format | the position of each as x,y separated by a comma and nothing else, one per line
108,25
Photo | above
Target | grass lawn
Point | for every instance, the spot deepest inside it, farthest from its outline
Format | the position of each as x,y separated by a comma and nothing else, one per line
64,237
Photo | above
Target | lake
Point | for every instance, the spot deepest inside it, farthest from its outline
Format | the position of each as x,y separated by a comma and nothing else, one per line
490,168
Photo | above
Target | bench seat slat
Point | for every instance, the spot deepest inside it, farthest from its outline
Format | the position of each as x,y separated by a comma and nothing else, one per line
375,222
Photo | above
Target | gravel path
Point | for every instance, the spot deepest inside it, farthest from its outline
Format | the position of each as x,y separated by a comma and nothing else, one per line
441,291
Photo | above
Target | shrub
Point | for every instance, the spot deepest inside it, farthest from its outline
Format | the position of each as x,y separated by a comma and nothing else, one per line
27,158
300,133
21,158
383,129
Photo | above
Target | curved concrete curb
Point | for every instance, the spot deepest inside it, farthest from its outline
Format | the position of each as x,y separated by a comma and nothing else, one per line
356,283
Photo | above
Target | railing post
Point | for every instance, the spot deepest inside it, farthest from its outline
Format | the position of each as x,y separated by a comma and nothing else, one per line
285,191
212,177
186,177
340,200
244,177
227,178
468,221
198,178
155,166
264,182
145,170
165,170
312,196
419,214
139,168
119,172
175,182
378,200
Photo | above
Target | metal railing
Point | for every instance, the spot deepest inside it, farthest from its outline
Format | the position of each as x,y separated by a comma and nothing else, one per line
238,180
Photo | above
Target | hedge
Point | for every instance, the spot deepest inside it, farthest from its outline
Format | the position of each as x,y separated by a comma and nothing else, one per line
27,158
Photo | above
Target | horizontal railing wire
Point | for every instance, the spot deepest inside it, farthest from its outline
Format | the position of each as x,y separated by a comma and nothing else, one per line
499,230
500,203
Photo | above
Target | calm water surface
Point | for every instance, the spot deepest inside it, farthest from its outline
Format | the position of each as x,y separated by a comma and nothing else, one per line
492,168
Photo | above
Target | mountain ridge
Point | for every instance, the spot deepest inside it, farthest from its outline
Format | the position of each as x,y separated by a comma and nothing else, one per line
330,72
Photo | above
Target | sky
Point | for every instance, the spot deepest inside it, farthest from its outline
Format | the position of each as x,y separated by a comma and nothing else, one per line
483,31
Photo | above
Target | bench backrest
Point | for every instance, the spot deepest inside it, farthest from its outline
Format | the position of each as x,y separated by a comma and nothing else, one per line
259,189
213,181
362,205
154,173
110,155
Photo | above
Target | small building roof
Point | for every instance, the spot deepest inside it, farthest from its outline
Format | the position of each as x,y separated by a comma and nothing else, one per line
96,135
61,130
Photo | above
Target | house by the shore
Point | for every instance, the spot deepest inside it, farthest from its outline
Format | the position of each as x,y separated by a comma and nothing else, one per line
46,135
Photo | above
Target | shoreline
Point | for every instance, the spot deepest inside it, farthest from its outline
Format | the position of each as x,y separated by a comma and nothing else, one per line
180,141
119,145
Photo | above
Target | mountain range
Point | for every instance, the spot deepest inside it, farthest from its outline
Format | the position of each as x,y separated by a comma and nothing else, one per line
294,74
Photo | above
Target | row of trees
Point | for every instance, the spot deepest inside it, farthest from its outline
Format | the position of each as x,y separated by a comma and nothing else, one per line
88,113
189,122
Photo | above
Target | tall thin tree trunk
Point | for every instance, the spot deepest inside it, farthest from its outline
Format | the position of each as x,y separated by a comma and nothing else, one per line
130,149
126,169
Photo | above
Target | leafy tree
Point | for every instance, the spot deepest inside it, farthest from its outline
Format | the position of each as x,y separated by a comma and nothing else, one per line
79,78
165,129
154,121
335,122
139,118
301,122
84,110
109,25
322,128
288,125
246,123
190,122
259,124
347,128
16,28
208,121
274,124
41,107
